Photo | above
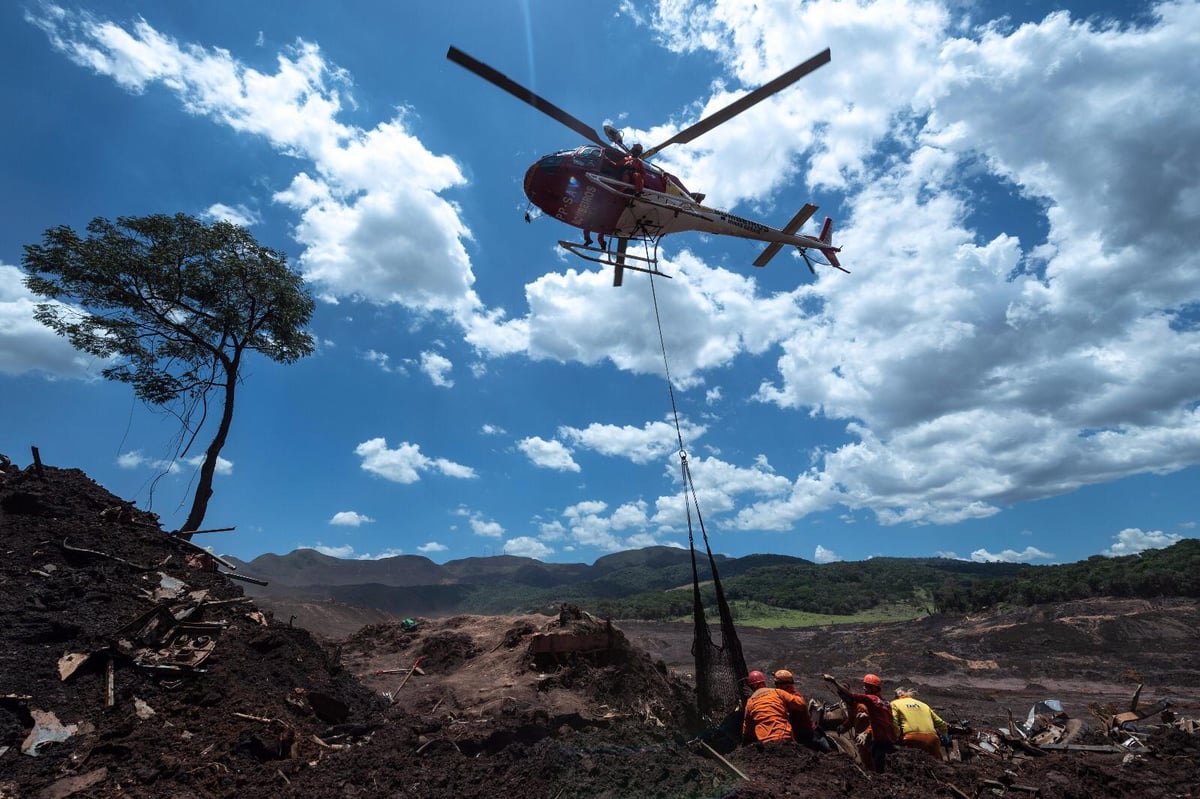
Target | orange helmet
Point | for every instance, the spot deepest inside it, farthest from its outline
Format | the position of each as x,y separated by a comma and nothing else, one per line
873,681
783,676
756,679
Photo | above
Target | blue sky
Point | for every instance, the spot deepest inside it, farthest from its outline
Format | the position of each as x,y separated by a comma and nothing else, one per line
1012,371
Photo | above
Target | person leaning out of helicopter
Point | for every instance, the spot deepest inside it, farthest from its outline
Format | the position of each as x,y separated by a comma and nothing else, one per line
635,169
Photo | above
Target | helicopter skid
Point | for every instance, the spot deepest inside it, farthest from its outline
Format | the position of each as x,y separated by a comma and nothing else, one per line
608,258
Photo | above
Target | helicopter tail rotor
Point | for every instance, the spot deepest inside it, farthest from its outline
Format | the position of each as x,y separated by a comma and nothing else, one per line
826,234
812,254
827,238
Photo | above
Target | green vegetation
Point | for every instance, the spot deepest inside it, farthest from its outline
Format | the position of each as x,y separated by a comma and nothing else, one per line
749,613
800,593
772,591
174,306
1173,571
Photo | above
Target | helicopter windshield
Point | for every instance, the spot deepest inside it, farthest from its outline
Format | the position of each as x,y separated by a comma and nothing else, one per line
586,156
550,163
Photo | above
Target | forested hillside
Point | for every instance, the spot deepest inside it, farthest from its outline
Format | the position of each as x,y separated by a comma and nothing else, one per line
656,583
1173,571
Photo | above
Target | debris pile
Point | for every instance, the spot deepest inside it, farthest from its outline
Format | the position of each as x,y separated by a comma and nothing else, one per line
126,670
131,665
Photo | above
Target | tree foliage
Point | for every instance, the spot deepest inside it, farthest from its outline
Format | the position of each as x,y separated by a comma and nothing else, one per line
1170,572
173,305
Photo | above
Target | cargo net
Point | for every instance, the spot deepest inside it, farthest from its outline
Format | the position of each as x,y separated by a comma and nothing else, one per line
720,669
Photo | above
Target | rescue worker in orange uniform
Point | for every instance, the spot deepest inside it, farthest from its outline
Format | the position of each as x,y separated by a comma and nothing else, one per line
804,730
767,712
635,169
917,725
880,737
860,726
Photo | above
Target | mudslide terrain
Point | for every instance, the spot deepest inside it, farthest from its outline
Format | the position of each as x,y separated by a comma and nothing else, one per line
130,666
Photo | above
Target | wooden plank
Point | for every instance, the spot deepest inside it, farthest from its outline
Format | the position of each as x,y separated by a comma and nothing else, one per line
1085,748
178,539
1154,710
243,578
725,762
109,695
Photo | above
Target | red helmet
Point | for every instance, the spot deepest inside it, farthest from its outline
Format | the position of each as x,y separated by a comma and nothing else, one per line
783,676
756,679
873,681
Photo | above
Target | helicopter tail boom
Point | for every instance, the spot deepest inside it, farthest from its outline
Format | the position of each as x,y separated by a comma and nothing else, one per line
823,243
797,221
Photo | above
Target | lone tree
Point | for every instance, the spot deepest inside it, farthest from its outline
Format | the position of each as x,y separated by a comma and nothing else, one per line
176,304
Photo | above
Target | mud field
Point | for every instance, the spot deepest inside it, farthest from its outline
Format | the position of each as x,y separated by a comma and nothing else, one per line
130,668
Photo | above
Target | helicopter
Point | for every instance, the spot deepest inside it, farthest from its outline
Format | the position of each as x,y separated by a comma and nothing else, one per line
612,190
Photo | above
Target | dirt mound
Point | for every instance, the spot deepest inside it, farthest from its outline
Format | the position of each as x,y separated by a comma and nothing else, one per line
207,695
573,669
130,667
210,697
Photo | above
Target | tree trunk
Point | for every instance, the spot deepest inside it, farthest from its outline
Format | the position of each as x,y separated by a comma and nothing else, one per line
209,467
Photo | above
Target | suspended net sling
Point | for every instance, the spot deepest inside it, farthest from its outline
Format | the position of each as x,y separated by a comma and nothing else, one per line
720,668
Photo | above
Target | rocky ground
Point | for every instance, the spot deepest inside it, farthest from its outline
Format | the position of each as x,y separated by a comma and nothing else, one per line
210,697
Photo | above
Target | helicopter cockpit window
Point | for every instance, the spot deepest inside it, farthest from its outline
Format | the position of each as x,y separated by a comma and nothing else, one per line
551,163
588,157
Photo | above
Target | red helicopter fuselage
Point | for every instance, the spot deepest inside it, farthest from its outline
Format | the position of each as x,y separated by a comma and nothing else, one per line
559,185
616,193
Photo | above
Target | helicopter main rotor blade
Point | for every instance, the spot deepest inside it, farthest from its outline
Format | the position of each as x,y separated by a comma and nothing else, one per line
521,93
738,106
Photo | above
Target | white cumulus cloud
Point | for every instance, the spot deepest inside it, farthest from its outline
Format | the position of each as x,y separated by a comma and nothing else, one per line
823,555
349,518
372,219
527,547
437,367
1133,540
26,345
405,463
548,454
1026,555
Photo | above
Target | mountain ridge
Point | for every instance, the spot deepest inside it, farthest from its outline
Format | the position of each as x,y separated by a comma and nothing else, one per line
639,583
